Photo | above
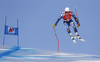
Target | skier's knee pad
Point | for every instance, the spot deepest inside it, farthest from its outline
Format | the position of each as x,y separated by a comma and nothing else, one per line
75,29
68,30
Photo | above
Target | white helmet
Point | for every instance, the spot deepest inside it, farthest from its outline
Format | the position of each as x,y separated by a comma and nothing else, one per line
67,9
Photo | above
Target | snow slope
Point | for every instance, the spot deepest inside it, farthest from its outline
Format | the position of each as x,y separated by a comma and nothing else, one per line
19,54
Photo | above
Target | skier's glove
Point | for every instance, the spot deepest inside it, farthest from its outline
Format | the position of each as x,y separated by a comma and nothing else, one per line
53,25
78,25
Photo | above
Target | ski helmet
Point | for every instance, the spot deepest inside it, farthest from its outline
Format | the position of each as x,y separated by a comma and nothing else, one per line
67,9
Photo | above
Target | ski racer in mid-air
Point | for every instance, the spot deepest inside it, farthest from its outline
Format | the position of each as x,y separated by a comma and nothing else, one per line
66,16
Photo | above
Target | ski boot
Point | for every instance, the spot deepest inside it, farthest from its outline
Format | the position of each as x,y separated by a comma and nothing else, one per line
71,36
78,37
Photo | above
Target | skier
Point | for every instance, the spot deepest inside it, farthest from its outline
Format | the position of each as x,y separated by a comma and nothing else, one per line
66,16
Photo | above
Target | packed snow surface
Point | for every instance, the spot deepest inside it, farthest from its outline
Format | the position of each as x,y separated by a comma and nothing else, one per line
20,54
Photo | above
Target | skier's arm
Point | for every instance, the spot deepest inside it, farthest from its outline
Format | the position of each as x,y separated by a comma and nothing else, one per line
57,21
76,19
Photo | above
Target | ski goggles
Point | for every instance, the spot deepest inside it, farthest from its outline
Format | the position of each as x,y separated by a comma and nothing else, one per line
68,12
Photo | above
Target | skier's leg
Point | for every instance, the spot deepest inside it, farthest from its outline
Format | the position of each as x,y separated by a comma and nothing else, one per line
75,30
69,32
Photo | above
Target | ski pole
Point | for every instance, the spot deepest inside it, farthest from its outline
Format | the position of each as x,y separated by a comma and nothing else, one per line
57,40
76,12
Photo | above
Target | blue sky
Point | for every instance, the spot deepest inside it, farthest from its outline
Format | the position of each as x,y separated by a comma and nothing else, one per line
36,18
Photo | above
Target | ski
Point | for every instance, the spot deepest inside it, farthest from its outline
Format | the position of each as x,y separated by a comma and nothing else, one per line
74,41
80,39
